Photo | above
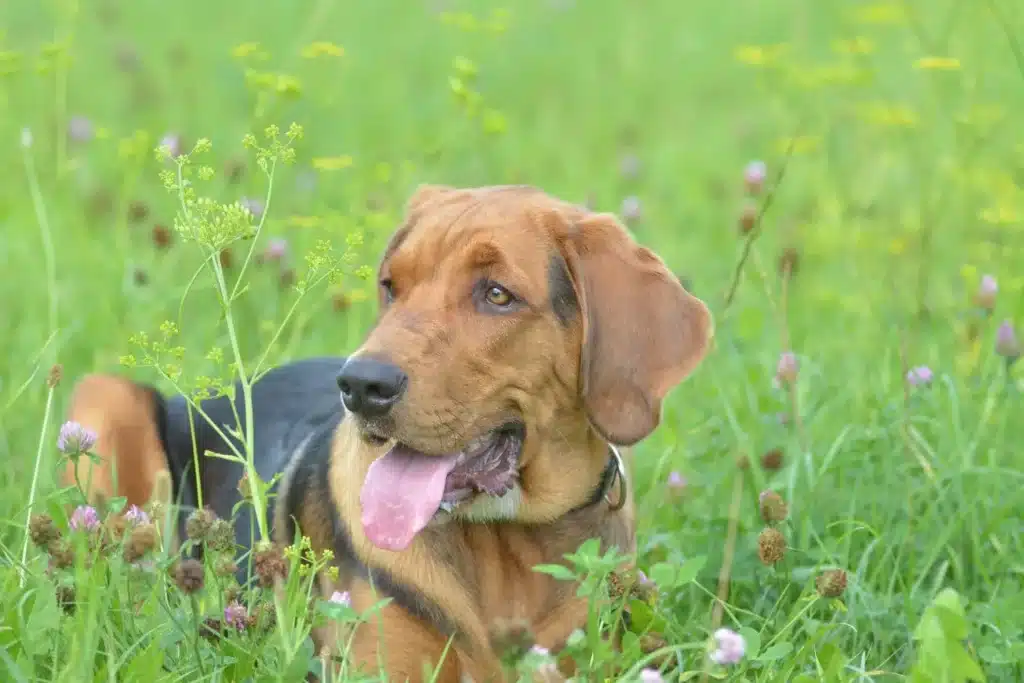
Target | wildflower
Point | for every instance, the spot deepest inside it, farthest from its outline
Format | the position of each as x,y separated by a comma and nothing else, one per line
56,374
161,236
748,217
631,209
142,539
938,63
269,564
221,536
253,206
276,250
84,517
341,598
236,615
771,546
225,567
649,675
773,507
42,530
332,163
729,647
319,48
754,175
74,439
788,368
189,576
197,526
629,166
772,460
676,481
172,142
136,515
985,297
80,129
831,584
1007,345
919,376
61,554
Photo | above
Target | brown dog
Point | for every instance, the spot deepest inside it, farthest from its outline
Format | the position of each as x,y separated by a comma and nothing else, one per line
520,340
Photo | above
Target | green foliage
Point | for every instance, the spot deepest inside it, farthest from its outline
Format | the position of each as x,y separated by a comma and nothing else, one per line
202,190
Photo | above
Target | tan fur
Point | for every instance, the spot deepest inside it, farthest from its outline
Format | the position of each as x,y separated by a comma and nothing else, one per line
601,377
132,459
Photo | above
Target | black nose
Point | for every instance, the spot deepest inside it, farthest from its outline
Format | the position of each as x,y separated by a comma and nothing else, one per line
370,387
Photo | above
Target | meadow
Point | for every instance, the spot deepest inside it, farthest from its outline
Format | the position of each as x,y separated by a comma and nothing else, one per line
837,484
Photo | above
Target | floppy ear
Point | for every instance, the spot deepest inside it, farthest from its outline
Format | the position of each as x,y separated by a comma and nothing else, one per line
642,332
129,420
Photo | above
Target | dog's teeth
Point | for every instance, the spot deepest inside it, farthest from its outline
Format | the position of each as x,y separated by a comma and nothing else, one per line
446,506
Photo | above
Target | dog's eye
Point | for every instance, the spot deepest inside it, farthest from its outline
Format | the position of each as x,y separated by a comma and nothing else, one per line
496,295
389,291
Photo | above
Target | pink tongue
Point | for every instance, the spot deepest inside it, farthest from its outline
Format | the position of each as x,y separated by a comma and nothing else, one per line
401,492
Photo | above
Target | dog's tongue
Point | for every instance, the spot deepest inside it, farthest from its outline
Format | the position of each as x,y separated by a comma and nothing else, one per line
401,492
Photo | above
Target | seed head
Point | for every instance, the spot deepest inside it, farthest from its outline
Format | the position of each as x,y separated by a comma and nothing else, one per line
789,261
1007,344
985,297
729,647
211,628
61,553
920,376
199,523
84,517
224,567
42,530
221,536
773,508
748,217
161,236
772,460
831,584
56,373
189,576
74,439
269,564
771,546
137,211
141,540
754,175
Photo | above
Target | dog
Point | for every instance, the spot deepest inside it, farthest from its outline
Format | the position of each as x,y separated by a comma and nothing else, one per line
522,342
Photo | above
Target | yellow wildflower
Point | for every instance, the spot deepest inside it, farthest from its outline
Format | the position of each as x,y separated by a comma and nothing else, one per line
885,114
332,163
322,48
760,55
938,63
881,13
288,85
304,221
244,50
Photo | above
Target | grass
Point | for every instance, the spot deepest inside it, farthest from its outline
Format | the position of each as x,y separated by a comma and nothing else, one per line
891,138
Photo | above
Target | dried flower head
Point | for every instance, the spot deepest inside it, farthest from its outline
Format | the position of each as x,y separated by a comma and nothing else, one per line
773,507
729,647
269,565
61,553
142,539
66,598
189,576
920,376
985,297
831,584
137,211
161,236
211,629
789,261
42,530
772,460
224,567
748,217
84,517
221,536
1007,344
771,546
74,439
198,524
754,176
226,259
56,374
234,169
340,302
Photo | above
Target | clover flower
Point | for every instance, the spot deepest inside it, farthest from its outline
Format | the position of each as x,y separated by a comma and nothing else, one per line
729,647
236,615
1007,344
173,143
136,515
788,368
676,481
75,439
341,598
253,205
651,676
985,297
754,175
84,517
920,376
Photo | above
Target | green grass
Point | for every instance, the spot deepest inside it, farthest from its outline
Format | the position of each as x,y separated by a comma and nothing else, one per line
902,186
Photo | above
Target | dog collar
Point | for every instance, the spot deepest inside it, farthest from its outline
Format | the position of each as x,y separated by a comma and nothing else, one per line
614,472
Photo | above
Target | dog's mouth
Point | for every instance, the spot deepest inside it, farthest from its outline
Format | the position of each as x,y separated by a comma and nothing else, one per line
405,488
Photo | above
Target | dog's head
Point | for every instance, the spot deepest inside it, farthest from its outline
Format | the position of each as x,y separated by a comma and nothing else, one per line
518,334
